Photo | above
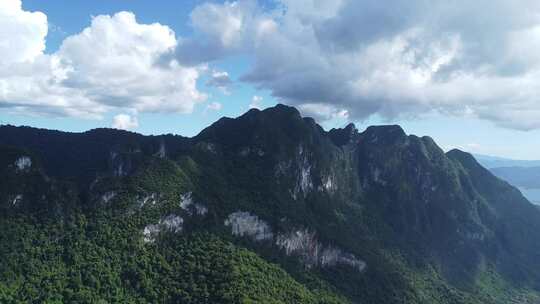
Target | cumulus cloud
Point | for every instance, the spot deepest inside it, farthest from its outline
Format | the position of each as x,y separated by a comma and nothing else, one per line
115,63
22,37
323,111
331,58
395,59
125,122
221,29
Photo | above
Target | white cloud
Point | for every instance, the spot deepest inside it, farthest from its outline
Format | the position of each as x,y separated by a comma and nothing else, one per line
115,63
323,111
222,29
396,59
224,22
125,122
256,102
22,34
214,106
331,58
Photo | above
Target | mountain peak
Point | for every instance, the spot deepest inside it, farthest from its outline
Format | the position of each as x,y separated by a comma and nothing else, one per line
281,109
343,136
461,155
351,127
274,124
384,134
467,159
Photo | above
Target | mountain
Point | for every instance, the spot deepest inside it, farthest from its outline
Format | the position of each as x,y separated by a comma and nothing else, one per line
526,177
524,174
498,162
264,208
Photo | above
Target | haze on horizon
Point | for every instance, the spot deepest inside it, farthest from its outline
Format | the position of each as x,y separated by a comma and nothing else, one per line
457,72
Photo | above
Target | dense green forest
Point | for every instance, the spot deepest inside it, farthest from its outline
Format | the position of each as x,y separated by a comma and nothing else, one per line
84,262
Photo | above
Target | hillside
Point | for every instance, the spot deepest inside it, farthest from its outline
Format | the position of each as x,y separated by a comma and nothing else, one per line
264,208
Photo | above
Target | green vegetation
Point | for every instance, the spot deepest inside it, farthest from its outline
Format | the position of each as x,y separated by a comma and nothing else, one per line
80,224
104,261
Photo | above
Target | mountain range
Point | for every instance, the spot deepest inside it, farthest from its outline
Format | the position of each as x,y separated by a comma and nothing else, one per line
500,162
524,174
264,208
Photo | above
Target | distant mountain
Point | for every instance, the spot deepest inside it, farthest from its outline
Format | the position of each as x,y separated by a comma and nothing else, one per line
525,177
524,174
498,162
264,208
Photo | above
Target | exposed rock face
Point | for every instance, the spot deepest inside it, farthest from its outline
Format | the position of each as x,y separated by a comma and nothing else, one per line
150,199
299,166
187,203
162,152
305,183
301,243
245,224
329,183
333,256
150,232
23,163
304,244
108,197
123,163
118,165
170,223
18,198
376,176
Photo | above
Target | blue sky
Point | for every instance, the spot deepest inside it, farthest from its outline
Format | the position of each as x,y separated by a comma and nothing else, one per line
300,53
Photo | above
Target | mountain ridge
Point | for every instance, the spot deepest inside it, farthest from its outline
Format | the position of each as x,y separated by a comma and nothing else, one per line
361,217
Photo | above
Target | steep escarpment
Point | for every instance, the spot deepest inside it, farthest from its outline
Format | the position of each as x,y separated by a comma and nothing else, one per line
376,216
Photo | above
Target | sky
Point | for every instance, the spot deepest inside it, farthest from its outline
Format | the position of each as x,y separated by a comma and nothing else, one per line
454,70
